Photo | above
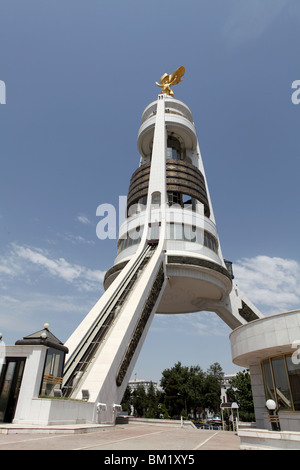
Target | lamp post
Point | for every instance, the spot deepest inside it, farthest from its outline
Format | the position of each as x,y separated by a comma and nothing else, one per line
185,406
235,406
273,415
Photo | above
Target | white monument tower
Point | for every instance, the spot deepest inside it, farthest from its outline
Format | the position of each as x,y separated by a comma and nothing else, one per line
169,258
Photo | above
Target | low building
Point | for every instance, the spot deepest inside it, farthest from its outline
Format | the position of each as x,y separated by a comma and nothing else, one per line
269,348
133,384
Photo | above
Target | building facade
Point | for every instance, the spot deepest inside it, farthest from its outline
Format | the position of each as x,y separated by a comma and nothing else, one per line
269,348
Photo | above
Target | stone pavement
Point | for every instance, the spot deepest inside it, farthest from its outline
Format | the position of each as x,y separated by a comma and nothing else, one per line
123,438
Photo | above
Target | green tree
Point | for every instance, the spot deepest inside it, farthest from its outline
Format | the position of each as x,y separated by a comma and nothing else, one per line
189,389
194,389
126,400
216,370
145,402
139,400
182,389
173,383
212,387
211,394
185,390
152,402
241,392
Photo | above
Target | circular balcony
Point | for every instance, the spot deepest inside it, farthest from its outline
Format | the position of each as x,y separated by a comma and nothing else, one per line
175,122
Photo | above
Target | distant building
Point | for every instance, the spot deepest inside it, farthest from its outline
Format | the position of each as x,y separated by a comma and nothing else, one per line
133,384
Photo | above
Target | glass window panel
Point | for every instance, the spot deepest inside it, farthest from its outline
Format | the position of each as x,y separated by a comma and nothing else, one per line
294,378
156,197
210,241
199,236
281,383
268,380
53,368
170,231
186,232
178,231
154,231
189,233
48,363
174,198
173,148
193,234
135,236
205,239
55,365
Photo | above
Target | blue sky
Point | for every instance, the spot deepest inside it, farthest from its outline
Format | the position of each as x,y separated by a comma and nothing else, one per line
78,76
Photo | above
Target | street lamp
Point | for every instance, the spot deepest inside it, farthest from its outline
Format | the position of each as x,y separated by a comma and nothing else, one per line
273,416
235,406
185,407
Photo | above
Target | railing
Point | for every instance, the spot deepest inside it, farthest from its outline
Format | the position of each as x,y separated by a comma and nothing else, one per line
52,379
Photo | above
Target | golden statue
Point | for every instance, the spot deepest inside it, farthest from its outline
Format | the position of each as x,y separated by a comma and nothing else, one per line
167,81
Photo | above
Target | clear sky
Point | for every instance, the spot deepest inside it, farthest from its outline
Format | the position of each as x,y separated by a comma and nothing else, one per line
78,75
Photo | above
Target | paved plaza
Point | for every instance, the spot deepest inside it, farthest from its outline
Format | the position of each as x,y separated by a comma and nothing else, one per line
122,438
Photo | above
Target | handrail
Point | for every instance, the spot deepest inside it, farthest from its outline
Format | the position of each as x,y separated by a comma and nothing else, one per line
52,379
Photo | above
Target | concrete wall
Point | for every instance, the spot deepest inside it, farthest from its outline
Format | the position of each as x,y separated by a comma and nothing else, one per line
258,394
47,411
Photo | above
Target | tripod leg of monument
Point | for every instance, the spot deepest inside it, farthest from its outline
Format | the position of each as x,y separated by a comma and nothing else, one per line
236,309
107,374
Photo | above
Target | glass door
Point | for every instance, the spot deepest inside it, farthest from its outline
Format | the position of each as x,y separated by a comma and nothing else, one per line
10,383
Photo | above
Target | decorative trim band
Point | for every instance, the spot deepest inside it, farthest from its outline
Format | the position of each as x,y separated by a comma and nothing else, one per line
177,259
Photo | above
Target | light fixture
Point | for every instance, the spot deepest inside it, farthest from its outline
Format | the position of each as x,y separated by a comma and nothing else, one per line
271,405
273,415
